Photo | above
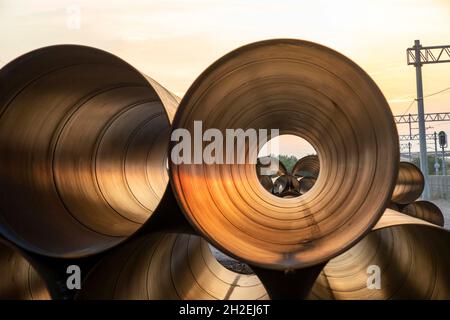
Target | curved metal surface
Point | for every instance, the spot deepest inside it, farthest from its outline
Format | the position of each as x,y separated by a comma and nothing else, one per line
411,255
306,184
286,186
410,184
307,167
425,210
83,144
266,182
307,90
167,266
19,280
273,167
267,169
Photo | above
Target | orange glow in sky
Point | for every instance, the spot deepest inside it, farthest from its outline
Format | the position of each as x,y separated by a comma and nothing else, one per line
174,41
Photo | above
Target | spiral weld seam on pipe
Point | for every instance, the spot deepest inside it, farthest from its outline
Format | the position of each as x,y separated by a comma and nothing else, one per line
409,253
302,89
167,266
81,132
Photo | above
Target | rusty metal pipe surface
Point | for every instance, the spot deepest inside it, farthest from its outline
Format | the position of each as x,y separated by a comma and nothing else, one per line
83,144
410,184
303,89
412,256
167,266
19,280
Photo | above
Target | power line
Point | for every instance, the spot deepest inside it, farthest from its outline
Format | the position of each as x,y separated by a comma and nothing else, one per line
409,107
435,93
426,96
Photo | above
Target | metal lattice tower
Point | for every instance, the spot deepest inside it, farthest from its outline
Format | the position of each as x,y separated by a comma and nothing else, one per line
418,56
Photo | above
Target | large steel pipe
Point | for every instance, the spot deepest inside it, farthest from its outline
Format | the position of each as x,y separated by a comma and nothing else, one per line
307,167
19,280
410,184
270,166
410,256
167,266
425,210
268,169
286,186
83,144
303,89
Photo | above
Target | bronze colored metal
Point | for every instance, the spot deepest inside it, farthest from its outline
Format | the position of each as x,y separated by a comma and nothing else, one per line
266,182
167,266
83,144
267,169
303,89
412,257
425,210
286,186
308,167
19,280
274,168
394,206
410,184
306,184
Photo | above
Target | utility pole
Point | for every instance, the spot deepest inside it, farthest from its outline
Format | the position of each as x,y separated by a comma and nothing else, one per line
417,56
436,164
410,137
421,116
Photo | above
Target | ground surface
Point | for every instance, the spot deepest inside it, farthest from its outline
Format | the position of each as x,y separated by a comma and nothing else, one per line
231,263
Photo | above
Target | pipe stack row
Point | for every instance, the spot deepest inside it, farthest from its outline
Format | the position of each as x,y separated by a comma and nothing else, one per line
87,179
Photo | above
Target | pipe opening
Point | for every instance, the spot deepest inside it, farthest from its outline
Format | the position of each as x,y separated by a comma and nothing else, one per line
301,89
293,181
83,144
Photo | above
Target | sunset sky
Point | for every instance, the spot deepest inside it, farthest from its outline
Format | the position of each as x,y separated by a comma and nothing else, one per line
173,41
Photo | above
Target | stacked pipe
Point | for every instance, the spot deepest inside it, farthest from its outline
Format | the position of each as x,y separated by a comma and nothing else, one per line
84,145
20,280
408,246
